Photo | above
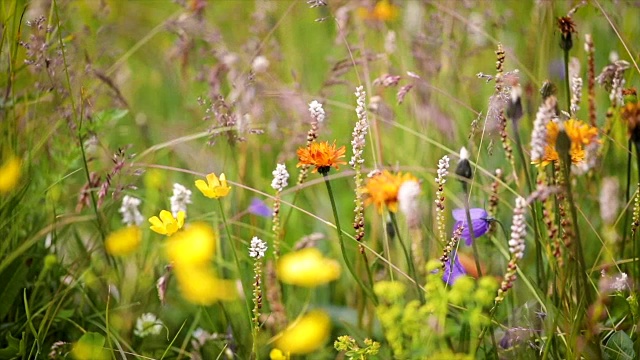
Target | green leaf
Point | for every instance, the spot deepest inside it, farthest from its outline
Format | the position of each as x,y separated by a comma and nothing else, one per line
14,278
90,346
619,347
14,349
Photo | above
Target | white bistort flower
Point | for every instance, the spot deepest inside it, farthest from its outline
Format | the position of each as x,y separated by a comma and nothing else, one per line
280,177
129,209
181,197
257,248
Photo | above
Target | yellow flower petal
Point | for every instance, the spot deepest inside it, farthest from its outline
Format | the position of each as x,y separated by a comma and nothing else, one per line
306,334
199,285
123,241
167,224
194,246
214,188
10,174
277,354
308,268
157,225
204,188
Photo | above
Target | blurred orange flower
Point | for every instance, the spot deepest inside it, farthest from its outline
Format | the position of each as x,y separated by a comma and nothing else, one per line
307,267
321,155
384,10
382,189
167,224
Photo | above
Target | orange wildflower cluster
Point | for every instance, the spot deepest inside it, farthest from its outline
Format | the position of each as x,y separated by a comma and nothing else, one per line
580,134
382,189
321,155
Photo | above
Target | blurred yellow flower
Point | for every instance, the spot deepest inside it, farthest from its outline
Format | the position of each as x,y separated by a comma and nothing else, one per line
384,10
580,134
123,241
277,354
214,188
307,267
382,189
193,246
321,155
167,224
306,334
10,174
199,285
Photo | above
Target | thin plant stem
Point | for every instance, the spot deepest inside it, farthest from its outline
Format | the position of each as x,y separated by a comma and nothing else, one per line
623,243
407,255
367,290
540,271
235,257
636,249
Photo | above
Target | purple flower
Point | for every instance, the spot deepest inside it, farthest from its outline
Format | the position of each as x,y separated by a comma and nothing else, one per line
258,207
479,221
453,270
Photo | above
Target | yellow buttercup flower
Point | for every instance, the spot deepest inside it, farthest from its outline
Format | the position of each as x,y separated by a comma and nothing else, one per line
214,188
199,285
321,155
10,174
123,241
308,268
277,354
193,246
306,334
382,189
580,134
167,224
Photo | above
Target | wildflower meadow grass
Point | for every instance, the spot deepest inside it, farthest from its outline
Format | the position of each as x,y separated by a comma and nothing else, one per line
321,179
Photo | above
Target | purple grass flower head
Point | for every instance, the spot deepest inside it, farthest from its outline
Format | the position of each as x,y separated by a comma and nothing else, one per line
259,208
453,270
480,222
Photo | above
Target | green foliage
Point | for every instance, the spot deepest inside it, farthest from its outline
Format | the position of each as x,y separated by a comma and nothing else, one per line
415,330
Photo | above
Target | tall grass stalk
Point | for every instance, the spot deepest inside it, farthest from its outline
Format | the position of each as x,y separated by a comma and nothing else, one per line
367,289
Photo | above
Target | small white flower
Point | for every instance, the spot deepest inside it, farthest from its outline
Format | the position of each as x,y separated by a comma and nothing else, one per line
620,282
129,209
148,324
280,177
181,197
257,248
317,111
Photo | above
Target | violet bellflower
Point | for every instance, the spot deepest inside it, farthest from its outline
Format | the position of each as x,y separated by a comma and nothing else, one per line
259,208
453,269
480,222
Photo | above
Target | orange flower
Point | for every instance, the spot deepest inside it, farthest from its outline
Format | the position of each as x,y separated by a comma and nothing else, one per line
580,134
630,113
384,10
321,155
382,189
